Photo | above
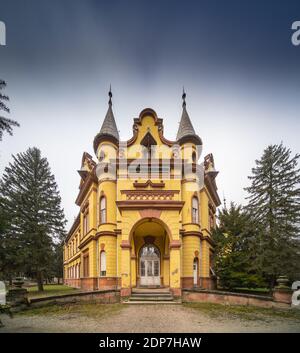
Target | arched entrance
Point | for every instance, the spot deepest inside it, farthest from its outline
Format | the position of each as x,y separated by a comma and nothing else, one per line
150,254
149,259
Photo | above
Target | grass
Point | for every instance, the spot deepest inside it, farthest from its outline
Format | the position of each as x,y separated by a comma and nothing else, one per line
92,310
50,289
244,312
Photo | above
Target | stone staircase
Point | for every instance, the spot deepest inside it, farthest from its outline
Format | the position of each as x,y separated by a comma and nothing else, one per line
151,296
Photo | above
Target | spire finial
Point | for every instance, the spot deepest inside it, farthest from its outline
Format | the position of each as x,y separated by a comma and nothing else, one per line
110,96
183,97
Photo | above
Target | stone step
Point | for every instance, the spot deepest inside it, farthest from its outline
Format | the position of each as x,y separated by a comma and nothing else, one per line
151,294
152,298
132,302
150,291
151,287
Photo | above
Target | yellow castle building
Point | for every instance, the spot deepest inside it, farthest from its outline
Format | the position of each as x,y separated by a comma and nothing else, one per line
147,210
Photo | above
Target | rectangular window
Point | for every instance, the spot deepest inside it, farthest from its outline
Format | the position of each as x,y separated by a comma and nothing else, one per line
103,263
103,216
86,265
195,215
85,223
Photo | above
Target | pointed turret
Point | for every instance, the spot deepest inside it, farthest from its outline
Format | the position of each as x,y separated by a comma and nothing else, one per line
109,130
186,130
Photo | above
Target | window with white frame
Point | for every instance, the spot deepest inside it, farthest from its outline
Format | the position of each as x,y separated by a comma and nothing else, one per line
103,263
195,210
103,209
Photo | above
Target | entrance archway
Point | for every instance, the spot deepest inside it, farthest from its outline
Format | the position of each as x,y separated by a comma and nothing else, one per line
150,253
149,259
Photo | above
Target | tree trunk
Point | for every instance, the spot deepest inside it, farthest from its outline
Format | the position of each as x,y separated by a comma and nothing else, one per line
39,277
272,282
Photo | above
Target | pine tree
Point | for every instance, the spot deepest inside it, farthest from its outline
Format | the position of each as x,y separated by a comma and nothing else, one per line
5,124
9,259
235,239
29,194
57,263
274,205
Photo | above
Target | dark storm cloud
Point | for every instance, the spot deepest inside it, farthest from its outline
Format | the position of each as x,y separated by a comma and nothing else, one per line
144,35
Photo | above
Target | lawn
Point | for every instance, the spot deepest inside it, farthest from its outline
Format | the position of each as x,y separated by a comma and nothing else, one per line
50,289
219,311
92,310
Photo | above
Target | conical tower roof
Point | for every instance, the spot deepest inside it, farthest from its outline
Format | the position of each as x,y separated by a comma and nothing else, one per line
109,126
109,130
186,130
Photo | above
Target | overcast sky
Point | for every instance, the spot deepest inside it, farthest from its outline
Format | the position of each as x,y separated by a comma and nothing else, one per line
235,59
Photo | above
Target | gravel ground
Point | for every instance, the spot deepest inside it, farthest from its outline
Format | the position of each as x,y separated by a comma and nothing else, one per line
149,318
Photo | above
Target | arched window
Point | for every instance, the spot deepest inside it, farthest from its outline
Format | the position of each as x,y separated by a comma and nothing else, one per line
195,271
103,209
195,210
194,157
101,156
103,263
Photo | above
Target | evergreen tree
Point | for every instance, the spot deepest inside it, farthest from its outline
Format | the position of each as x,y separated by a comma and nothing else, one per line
235,241
5,124
274,205
57,263
9,259
30,196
